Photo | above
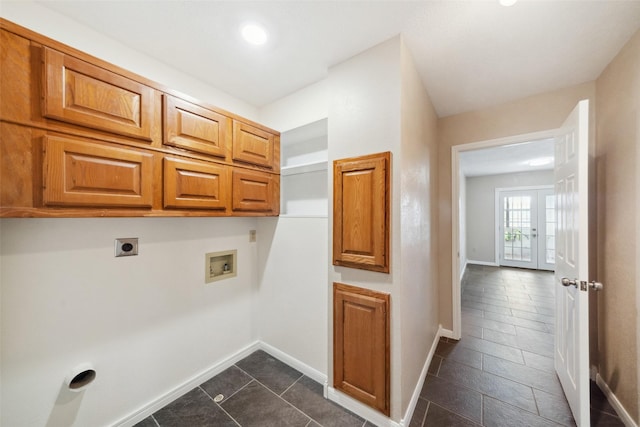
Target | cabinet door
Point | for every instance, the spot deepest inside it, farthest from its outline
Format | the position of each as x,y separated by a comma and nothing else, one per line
79,173
83,94
361,212
193,184
361,345
255,146
255,192
195,128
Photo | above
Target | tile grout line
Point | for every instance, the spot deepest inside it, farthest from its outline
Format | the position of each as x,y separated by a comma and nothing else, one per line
220,406
426,411
292,384
483,354
286,401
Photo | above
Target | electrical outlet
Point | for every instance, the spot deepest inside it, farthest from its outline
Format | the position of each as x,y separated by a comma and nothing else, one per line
127,246
252,235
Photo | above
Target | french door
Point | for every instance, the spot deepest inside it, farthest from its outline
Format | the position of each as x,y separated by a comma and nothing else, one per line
526,231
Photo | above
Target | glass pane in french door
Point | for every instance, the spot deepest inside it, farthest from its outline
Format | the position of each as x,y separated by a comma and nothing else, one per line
550,234
517,228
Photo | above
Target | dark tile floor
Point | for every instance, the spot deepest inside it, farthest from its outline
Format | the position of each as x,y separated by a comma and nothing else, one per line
257,391
501,372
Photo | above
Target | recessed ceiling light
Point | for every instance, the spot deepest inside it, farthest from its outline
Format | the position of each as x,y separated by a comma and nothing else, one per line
254,34
507,3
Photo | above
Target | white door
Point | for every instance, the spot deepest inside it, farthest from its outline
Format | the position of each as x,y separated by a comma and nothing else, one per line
572,246
526,228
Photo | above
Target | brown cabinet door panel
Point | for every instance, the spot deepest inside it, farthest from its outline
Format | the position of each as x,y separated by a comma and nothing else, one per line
255,191
192,184
195,128
83,94
361,212
79,173
253,145
361,345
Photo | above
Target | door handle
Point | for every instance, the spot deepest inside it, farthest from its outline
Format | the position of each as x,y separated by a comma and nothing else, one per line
596,286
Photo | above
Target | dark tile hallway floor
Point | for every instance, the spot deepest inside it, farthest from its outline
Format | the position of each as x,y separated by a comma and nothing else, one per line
257,391
501,372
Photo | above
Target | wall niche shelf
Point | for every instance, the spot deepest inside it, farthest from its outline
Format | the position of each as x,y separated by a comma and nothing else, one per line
303,185
303,168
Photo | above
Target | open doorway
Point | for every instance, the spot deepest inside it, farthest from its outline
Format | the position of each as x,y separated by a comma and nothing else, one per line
500,163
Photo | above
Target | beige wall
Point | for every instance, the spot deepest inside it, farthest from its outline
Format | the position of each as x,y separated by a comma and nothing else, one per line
617,176
480,202
533,114
419,228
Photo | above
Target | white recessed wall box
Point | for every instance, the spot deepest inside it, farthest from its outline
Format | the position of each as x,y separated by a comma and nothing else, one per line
220,265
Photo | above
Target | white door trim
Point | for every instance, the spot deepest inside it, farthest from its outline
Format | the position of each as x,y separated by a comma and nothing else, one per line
456,309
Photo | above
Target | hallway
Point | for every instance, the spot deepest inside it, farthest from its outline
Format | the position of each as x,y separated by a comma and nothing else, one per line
501,372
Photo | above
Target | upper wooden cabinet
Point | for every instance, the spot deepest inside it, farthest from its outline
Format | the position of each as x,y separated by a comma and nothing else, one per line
85,174
196,128
197,185
255,146
361,194
83,94
81,137
256,191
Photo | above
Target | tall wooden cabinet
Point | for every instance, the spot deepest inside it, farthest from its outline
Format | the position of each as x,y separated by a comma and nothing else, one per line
361,345
361,195
81,137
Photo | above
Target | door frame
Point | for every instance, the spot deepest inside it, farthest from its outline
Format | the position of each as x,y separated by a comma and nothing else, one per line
498,220
456,305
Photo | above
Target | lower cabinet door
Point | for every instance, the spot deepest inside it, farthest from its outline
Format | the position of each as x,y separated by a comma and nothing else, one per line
361,345
86,174
256,192
195,185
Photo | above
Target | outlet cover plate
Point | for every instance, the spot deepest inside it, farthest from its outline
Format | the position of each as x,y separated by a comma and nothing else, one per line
126,246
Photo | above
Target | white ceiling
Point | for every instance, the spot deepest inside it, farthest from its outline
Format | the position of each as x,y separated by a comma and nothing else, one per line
470,54
508,158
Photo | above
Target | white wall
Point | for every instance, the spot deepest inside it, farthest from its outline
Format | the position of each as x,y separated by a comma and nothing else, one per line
305,106
480,199
291,307
61,28
364,118
377,103
147,323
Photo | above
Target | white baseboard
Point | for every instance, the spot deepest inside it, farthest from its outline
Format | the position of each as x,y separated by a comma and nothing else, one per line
490,264
366,412
447,333
464,268
332,394
312,373
186,386
423,376
613,400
